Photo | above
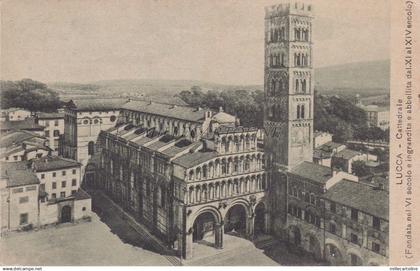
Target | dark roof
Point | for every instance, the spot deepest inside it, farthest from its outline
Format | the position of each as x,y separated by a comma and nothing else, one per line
329,146
96,104
16,137
18,174
81,195
48,163
166,110
312,171
54,115
191,159
347,154
360,196
26,124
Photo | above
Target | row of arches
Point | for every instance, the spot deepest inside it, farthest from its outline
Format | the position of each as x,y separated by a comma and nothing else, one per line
277,34
164,124
278,85
277,60
301,59
302,34
227,166
222,189
237,143
301,86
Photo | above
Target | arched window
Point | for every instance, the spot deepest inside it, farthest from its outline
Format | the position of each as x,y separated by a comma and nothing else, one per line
91,148
304,85
302,111
273,87
282,60
297,85
298,111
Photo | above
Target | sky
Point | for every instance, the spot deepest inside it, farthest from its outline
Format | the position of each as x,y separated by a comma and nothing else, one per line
219,41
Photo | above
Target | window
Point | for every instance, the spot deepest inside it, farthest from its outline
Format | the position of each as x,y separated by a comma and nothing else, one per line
62,194
15,157
333,228
73,192
74,171
47,133
333,207
376,223
54,174
31,188
42,176
55,123
54,185
91,148
73,182
7,158
23,219
354,215
376,247
17,190
42,187
47,123
63,173
354,238
112,118
63,184
56,133
53,195
23,199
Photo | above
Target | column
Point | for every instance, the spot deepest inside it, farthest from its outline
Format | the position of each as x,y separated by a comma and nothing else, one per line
189,244
218,231
250,226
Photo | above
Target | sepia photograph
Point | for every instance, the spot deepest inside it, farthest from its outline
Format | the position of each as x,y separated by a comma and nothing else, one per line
196,133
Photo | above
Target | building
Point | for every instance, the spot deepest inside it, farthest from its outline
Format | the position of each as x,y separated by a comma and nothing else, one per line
300,189
54,127
83,121
22,146
320,138
18,197
190,174
377,116
28,191
15,114
28,124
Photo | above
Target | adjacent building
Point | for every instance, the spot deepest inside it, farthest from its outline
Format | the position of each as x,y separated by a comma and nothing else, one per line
53,124
15,114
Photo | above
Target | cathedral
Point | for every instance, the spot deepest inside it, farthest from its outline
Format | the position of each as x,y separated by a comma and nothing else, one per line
190,173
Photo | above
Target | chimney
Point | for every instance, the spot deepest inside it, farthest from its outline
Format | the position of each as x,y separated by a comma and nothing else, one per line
334,171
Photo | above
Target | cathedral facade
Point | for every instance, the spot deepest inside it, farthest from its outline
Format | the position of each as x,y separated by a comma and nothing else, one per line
190,174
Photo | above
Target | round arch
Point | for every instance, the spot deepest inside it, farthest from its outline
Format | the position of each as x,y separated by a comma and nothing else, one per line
236,217
295,235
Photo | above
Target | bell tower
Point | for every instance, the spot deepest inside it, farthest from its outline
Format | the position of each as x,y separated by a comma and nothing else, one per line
288,84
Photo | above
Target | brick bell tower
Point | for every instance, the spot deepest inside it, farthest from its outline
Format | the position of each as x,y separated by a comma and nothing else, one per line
288,85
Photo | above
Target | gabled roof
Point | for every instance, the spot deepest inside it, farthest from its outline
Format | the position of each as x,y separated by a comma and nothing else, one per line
16,137
192,159
18,174
312,171
48,163
53,115
96,104
360,196
177,112
223,117
26,124
347,154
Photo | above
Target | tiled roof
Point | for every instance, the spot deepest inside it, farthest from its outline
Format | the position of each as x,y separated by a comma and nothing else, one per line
96,104
191,159
347,154
360,196
170,111
329,146
222,117
16,137
223,129
312,171
18,174
48,163
177,148
54,115
26,124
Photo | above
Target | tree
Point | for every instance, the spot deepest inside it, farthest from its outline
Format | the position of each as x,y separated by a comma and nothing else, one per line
360,169
29,94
